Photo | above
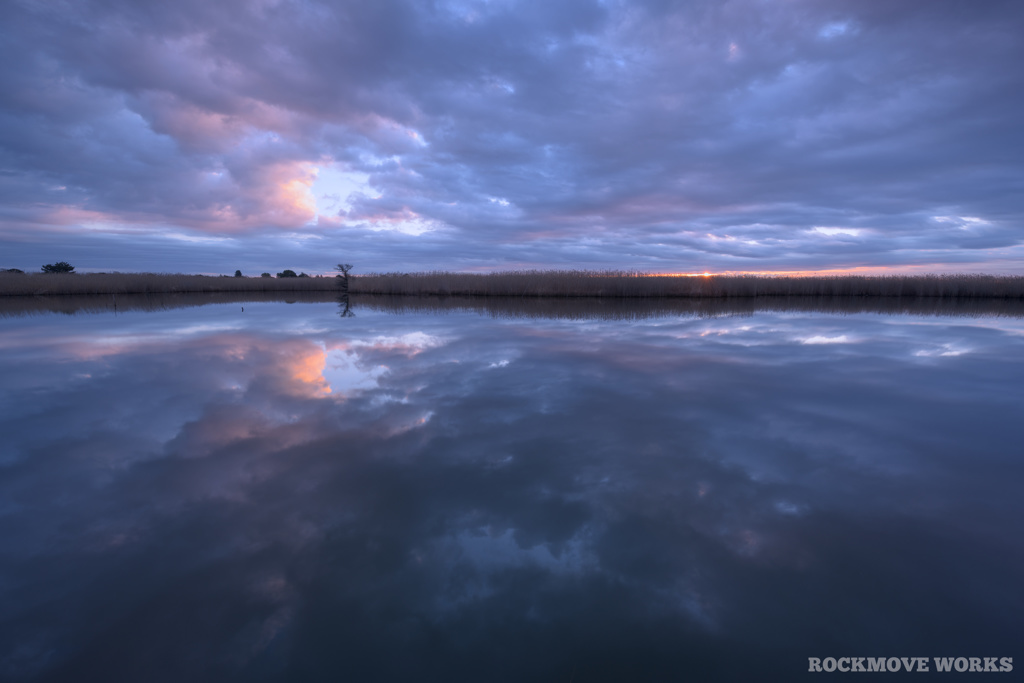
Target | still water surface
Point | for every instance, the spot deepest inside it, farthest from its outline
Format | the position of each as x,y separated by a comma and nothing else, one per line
468,494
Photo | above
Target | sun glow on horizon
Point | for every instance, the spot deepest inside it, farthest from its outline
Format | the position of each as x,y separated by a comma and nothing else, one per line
856,270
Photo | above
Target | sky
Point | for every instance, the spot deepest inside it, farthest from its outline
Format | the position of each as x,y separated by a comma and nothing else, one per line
480,135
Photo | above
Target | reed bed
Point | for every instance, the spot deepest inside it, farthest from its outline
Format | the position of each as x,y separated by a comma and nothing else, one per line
562,283
624,284
46,284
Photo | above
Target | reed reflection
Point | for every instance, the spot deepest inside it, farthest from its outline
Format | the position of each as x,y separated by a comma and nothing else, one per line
525,307
284,494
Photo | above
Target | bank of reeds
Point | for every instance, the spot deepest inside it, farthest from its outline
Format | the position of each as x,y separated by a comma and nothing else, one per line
564,283
580,283
47,284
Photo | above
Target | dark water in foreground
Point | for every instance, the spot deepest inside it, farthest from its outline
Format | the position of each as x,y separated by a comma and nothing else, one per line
207,494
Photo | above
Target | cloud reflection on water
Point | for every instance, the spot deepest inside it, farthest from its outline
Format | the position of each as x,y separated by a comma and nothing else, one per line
287,495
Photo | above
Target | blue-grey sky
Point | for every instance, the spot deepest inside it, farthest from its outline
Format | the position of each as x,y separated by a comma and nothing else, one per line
669,136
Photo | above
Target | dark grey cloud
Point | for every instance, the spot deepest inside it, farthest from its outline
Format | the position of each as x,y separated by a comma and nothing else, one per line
669,136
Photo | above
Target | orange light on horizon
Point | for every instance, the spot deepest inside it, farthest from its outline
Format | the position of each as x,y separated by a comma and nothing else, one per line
856,270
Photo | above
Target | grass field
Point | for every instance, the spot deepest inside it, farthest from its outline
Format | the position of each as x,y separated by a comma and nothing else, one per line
565,283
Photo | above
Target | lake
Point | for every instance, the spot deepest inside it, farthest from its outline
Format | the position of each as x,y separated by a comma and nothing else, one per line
446,490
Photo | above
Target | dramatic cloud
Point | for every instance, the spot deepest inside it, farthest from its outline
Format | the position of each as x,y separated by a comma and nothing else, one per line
668,136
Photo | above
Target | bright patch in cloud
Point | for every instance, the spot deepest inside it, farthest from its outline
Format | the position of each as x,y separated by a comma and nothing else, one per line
297,193
405,221
818,339
962,222
333,186
835,29
832,232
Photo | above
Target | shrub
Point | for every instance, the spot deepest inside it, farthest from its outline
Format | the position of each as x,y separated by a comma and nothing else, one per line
59,267
238,273
264,274
13,271
303,275
287,273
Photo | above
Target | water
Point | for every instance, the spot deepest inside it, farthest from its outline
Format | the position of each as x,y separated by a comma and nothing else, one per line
550,492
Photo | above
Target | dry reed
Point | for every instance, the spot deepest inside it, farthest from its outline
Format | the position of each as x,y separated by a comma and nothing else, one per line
580,283
46,284
564,283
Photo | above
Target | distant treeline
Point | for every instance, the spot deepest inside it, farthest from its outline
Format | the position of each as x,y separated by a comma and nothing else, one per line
564,283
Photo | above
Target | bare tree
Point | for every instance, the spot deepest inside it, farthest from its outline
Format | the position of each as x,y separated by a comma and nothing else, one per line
343,269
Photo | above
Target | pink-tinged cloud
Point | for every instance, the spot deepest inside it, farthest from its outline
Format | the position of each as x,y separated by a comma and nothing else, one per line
635,134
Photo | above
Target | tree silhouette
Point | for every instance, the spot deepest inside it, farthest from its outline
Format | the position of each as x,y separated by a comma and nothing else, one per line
344,269
59,267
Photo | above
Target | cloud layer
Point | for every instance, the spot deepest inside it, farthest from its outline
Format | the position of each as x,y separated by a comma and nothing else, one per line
668,136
